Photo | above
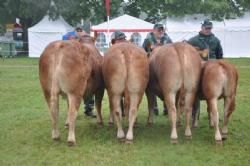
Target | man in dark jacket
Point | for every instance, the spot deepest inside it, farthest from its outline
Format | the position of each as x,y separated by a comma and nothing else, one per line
156,38
206,40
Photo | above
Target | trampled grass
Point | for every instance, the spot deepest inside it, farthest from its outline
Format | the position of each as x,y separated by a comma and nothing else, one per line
25,132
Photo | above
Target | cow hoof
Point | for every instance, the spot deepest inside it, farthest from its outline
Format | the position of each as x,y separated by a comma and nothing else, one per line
224,137
55,135
66,126
174,141
71,143
129,141
219,142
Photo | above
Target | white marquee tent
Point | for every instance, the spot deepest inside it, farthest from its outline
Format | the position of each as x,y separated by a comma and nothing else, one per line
44,32
128,24
233,33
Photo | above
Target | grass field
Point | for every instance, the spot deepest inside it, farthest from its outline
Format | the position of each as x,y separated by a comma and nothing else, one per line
25,131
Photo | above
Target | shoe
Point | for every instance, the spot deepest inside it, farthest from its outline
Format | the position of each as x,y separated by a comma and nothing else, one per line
90,113
156,111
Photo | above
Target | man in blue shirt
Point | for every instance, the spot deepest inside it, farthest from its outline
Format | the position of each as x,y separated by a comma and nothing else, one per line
77,33
89,102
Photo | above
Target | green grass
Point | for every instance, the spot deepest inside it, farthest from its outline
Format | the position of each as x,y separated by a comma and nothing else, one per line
25,132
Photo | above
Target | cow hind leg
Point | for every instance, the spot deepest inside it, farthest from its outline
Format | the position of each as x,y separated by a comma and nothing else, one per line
54,110
170,103
189,100
134,102
116,109
214,115
74,104
66,125
150,99
196,113
180,109
98,105
229,107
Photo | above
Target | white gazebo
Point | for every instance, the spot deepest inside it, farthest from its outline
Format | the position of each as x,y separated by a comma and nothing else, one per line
44,32
132,27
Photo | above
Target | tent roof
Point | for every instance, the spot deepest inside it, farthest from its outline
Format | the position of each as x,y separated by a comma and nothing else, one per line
124,23
241,23
191,23
48,25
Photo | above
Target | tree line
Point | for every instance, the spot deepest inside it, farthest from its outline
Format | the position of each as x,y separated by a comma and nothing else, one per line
32,11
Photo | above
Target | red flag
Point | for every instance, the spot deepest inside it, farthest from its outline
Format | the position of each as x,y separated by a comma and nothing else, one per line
107,4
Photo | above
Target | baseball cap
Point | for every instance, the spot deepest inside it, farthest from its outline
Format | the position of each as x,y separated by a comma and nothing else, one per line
207,23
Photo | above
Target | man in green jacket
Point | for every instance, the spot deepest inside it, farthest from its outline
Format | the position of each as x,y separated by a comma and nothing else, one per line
154,39
205,40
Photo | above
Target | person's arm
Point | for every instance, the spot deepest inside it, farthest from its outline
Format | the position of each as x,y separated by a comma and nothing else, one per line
219,51
165,39
65,37
169,40
192,41
147,45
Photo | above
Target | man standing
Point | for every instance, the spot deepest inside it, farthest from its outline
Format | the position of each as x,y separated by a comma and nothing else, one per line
205,40
156,38
119,37
76,34
89,102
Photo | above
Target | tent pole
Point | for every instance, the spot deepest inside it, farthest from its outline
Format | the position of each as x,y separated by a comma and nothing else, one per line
108,37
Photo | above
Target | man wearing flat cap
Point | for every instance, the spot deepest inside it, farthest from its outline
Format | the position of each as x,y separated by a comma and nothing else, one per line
206,40
156,38
119,37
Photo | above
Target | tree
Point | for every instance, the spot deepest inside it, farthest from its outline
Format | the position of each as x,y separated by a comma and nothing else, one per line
157,10
31,11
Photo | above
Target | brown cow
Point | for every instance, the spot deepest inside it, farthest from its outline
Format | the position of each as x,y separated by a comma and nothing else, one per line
73,70
126,73
219,80
174,69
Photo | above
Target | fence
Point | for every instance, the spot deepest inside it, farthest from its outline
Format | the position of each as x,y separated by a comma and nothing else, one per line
12,48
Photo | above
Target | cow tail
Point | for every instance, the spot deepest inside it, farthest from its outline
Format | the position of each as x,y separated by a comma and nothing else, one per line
181,94
126,92
181,56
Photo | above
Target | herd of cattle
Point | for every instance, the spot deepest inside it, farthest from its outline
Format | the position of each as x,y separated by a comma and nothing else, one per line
174,72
